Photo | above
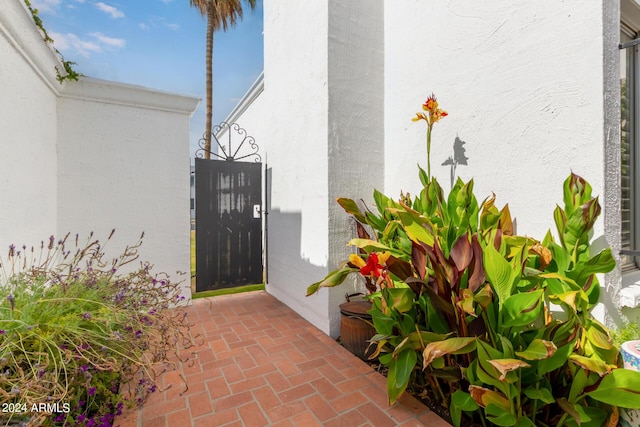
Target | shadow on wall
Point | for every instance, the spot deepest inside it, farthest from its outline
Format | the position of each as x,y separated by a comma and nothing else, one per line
286,270
459,158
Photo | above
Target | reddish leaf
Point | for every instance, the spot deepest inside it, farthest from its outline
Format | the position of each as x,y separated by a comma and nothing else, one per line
477,276
462,253
419,259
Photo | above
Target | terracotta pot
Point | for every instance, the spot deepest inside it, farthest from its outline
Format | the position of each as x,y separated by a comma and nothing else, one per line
356,327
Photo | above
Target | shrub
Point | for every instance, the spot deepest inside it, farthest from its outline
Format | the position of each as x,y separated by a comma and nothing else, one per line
74,327
463,307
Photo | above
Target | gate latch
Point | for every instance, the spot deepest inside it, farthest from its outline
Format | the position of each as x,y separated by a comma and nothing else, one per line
256,211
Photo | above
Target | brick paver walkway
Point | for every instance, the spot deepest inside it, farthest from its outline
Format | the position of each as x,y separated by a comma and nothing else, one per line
261,364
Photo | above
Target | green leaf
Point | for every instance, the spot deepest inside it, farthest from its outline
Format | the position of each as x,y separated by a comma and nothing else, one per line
461,401
499,273
592,364
416,226
373,246
384,324
541,394
424,178
381,200
333,279
558,359
619,388
400,299
497,416
538,349
351,207
405,363
522,309
456,345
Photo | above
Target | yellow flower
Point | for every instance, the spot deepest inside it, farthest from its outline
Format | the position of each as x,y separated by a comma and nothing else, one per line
433,113
356,260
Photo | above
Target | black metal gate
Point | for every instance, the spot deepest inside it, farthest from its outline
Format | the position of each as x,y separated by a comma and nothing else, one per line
228,214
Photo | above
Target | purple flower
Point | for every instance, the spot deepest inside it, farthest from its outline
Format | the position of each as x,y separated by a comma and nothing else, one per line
91,391
84,368
87,315
2,332
81,418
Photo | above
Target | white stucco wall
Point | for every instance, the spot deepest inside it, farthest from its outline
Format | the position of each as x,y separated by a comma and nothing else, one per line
321,106
28,127
532,88
89,155
523,85
296,78
123,163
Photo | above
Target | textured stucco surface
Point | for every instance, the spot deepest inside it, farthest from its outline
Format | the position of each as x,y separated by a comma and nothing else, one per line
89,155
27,130
123,163
531,87
295,74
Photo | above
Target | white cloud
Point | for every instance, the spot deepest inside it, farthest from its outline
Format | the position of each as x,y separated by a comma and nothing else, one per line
111,10
109,41
45,5
166,1
156,22
71,43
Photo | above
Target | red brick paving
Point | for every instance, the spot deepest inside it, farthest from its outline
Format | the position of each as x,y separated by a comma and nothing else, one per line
258,363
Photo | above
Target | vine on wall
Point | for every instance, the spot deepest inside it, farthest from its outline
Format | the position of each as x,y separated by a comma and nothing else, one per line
70,73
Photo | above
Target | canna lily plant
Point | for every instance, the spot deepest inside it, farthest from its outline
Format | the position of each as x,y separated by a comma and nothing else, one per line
494,326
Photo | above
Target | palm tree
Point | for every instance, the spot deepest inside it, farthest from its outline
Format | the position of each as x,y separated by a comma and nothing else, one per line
221,14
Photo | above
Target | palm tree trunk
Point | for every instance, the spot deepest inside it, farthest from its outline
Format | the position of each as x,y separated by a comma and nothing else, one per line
209,87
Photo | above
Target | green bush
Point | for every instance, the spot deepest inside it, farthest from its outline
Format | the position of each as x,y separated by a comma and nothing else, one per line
74,327
461,306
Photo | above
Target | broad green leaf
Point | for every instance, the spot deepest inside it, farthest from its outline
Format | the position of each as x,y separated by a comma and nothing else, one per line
497,416
461,401
416,226
333,279
393,391
405,362
603,262
523,421
592,364
580,380
541,394
558,359
373,246
464,401
485,397
538,349
456,345
619,388
499,273
381,200
351,207
522,309
400,299
384,324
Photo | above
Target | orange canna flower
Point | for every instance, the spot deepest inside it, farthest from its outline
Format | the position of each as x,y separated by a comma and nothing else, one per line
433,113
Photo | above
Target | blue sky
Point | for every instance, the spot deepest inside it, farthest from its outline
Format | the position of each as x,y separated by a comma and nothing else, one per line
158,44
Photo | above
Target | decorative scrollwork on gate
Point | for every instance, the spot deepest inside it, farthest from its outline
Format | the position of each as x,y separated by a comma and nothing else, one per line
232,133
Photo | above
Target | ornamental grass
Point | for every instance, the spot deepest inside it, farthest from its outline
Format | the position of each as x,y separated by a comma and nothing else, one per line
75,326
